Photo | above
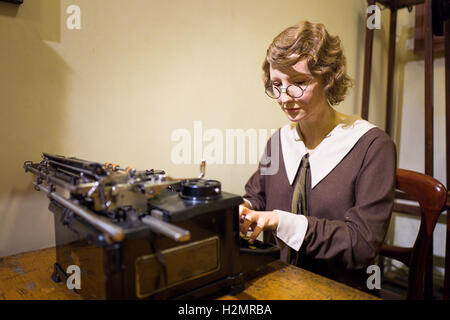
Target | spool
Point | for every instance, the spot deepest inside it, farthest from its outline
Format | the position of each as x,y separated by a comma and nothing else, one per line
200,189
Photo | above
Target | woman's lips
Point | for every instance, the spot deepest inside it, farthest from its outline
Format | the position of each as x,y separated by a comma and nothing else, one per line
292,107
291,110
292,113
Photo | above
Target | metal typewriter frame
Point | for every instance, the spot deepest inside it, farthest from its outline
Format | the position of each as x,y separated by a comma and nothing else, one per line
115,219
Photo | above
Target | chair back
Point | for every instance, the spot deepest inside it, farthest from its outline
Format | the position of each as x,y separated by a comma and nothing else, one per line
431,196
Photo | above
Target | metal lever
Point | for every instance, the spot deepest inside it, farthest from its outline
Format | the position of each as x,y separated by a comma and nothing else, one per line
114,232
167,229
202,169
116,167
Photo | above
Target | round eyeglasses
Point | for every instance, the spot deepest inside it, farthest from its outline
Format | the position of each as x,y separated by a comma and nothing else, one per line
293,90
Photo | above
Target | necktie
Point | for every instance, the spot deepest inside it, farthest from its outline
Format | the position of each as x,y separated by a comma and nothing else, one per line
299,200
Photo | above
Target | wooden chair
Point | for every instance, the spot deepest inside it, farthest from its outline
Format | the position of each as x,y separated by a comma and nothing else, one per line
431,196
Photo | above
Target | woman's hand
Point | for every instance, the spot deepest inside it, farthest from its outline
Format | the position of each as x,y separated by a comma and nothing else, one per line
256,221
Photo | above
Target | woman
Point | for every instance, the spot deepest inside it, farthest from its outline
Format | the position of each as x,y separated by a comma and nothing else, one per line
329,203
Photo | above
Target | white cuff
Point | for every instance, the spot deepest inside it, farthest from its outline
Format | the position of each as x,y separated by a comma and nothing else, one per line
291,228
248,203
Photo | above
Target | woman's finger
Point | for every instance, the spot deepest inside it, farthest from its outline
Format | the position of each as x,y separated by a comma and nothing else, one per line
255,233
244,210
260,226
248,219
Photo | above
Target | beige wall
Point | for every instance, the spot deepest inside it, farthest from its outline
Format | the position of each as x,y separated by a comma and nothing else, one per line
137,71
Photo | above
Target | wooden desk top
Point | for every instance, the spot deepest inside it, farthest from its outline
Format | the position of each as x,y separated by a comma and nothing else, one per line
26,276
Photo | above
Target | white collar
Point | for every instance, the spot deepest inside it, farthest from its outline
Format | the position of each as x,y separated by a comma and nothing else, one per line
326,155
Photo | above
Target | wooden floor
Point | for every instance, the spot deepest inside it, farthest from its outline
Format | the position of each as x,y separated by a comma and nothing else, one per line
26,276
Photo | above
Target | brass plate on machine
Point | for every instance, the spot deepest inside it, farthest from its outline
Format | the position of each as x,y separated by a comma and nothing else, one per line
183,263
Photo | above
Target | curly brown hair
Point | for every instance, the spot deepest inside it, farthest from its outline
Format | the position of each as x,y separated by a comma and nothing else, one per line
323,52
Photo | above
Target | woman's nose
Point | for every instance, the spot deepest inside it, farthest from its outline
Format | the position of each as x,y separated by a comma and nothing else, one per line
285,98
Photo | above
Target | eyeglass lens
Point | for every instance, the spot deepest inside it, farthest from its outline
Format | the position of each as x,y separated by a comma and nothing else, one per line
292,90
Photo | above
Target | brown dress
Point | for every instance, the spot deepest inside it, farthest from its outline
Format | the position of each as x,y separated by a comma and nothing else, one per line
348,210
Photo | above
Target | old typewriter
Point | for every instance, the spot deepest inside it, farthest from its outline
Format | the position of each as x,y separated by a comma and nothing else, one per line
143,234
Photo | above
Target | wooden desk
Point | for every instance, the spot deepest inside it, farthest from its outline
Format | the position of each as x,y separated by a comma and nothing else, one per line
26,276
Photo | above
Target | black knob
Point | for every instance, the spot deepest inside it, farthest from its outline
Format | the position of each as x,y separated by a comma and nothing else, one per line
200,189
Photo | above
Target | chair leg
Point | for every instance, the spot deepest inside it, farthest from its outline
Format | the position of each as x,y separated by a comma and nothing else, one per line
381,264
428,285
